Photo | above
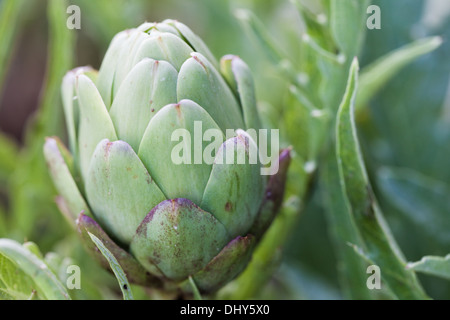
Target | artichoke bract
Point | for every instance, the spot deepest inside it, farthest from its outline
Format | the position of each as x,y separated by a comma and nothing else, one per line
164,221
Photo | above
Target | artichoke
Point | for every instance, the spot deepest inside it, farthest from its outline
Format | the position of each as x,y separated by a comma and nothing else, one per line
164,221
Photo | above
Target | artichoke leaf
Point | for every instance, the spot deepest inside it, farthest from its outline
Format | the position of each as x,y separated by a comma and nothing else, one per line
120,189
95,122
63,179
230,262
149,86
179,238
273,197
164,46
70,103
199,81
133,270
239,78
235,188
126,59
172,149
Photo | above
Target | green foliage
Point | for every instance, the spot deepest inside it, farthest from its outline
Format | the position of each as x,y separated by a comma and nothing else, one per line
300,54
352,270
406,142
378,73
379,244
31,190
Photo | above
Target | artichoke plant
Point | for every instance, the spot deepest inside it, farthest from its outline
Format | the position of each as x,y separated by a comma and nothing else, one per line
163,221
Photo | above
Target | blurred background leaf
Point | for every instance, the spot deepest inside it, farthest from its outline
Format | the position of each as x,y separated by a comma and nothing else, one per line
10,14
378,244
24,274
436,266
403,123
405,130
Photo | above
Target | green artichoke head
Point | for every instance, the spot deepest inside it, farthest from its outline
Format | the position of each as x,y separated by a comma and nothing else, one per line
164,220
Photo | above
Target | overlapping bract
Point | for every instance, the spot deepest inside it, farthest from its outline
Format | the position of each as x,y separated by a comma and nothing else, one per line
175,220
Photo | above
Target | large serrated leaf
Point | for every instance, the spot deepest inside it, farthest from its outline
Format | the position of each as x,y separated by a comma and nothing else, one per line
378,241
31,191
352,267
261,36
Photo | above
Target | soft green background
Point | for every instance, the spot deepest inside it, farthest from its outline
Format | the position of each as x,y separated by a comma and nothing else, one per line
403,130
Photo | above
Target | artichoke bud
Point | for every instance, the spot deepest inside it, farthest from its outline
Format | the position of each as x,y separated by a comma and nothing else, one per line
160,94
